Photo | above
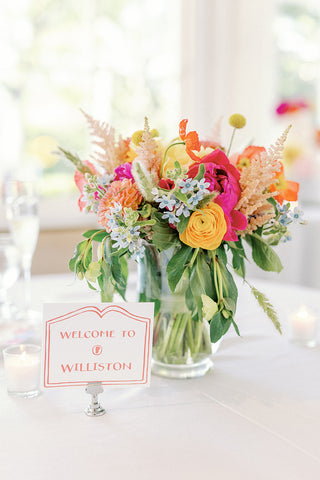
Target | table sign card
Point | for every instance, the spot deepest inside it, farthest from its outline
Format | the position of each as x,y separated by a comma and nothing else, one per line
106,343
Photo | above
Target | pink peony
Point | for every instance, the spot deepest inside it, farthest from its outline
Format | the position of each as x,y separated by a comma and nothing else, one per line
223,178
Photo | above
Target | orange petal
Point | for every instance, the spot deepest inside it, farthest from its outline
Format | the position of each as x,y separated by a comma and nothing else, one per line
183,128
192,155
192,141
291,193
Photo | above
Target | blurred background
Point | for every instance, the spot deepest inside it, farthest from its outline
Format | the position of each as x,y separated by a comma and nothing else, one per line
121,60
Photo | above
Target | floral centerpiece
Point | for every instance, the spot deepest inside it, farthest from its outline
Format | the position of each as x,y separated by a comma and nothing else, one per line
183,210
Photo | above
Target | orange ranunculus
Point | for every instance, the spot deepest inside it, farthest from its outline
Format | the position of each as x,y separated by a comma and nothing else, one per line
206,228
244,159
124,192
287,190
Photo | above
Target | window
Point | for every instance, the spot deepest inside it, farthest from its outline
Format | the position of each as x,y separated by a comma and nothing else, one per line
116,59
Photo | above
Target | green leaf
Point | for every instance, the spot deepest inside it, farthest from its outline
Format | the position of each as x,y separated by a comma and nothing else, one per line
235,326
263,255
164,236
182,225
99,235
91,286
190,302
209,307
219,326
229,287
119,272
177,265
181,196
201,172
87,256
93,272
221,253
177,166
105,283
273,203
78,251
229,304
146,210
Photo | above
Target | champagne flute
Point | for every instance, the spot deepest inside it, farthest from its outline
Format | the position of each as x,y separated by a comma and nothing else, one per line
23,218
9,273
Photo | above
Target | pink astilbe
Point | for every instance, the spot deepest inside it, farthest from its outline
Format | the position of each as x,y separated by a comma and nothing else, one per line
254,182
109,152
148,154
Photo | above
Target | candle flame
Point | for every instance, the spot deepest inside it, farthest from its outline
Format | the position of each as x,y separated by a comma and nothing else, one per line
304,313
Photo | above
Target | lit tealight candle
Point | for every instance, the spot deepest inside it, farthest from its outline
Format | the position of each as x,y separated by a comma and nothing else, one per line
304,327
22,368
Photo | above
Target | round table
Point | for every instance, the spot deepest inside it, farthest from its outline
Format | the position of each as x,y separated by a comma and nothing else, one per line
256,415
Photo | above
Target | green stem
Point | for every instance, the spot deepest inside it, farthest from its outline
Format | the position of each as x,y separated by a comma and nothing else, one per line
231,140
198,336
194,256
165,154
181,331
189,334
166,337
220,280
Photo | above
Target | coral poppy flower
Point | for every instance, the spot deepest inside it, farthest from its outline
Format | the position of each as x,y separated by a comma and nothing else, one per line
81,181
191,139
244,159
287,190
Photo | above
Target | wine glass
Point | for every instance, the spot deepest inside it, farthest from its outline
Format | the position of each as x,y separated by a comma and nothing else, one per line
22,214
9,273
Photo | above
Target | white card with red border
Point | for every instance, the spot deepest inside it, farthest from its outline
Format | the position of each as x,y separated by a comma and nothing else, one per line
100,342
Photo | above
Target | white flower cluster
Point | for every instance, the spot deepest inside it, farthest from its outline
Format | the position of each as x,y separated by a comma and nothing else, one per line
124,230
194,191
94,190
277,229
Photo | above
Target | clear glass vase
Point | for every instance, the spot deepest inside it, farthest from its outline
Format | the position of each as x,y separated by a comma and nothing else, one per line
181,345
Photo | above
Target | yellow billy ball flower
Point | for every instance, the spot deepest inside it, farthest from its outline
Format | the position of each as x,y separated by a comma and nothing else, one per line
137,137
154,133
237,120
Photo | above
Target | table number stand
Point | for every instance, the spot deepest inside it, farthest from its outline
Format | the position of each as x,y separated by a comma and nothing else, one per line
94,409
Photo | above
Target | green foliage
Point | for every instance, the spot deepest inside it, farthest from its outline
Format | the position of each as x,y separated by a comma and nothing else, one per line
99,235
182,225
177,265
263,254
219,326
201,172
238,257
163,236
110,271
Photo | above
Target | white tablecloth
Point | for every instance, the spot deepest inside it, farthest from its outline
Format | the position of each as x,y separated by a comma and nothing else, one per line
255,416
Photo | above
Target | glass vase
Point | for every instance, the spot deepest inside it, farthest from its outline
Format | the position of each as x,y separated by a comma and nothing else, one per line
181,345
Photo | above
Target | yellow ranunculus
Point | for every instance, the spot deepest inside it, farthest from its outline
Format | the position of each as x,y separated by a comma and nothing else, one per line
206,228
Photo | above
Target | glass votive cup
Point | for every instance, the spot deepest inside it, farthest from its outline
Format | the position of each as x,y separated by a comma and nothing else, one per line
304,328
22,370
